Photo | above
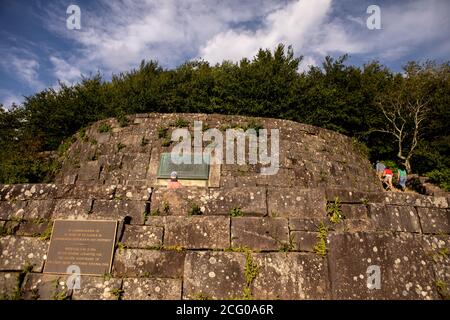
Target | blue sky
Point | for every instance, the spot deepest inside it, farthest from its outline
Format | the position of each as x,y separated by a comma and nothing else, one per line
37,50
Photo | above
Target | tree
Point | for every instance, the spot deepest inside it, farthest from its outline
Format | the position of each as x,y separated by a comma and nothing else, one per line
405,106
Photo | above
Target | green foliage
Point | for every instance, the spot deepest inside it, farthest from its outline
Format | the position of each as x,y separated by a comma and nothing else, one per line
123,120
250,272
236,212
104,127
440,177
335,96
162,133
194,210
46,235
334,211
321,246
442,289
180,123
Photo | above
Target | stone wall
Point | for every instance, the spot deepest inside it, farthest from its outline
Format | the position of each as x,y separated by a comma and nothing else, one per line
253,237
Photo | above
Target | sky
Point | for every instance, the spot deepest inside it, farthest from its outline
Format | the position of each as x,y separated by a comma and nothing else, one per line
37,49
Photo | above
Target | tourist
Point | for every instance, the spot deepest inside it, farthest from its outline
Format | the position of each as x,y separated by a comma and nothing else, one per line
173,182
380,169
387,173
401,177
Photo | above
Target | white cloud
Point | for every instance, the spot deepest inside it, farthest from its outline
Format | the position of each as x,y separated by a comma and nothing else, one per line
23,68
119,34
64,71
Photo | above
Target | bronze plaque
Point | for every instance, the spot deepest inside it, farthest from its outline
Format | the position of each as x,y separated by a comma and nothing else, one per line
87,245
185,171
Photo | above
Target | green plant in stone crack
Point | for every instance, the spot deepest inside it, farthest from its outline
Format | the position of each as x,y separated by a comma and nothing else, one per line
194,210
334,211
321,246
236,212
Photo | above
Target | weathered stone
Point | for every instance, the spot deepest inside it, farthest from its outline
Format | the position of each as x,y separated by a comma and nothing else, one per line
151,263
394,218
250,200
28,192
10,227
353,196
404,268
290,276
357,225
142,236
434,220
89,171
301,224
33,227
214,275
39,209
151,289
45,287
296,203
354,211
18,252
97,288
8,285
96,191
128,192
259,233
303,240
72,209
12,210
414,199
136,165
178,202
119,209
197,232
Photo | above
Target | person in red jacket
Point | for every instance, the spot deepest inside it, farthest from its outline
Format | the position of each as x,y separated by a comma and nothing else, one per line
387,174
173,182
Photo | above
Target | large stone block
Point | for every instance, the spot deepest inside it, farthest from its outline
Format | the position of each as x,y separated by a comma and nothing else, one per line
118,210
28,192
414,199
136,165
89,171
39,209
354,211
8,285
142,236
150,263
12,210
197,232
304,240
405,272
250,200
72,209
142,192
259,233
178,202
18,252
353,196
290,276
97,288
394,218
45,287
95,191
214,275
292,202
151,289
434,220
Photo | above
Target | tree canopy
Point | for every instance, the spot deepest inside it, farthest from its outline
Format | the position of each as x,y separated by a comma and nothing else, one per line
348,99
